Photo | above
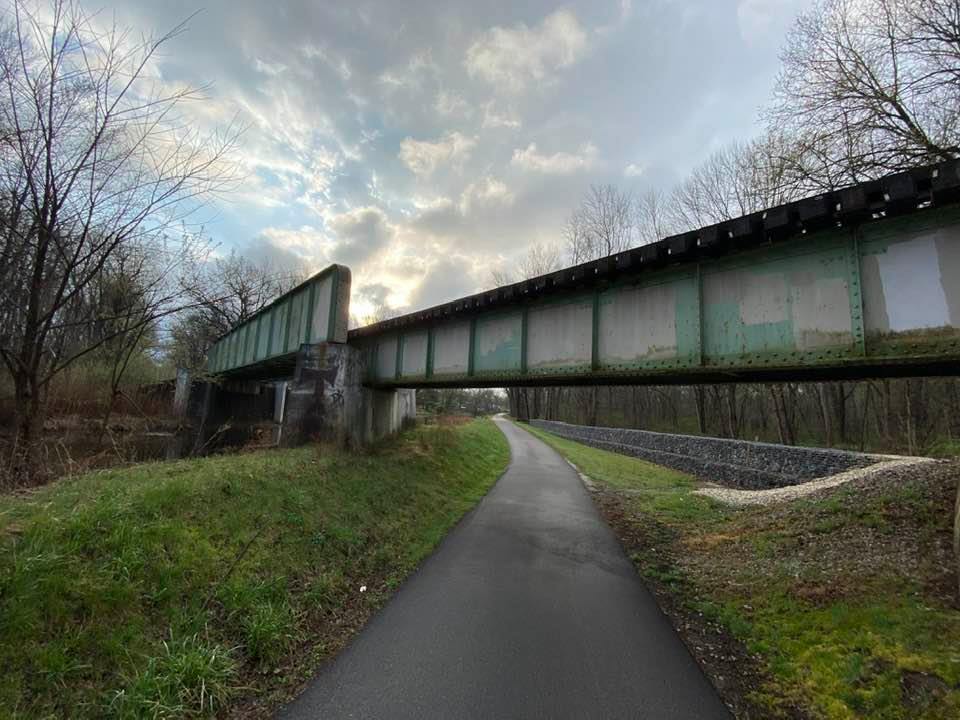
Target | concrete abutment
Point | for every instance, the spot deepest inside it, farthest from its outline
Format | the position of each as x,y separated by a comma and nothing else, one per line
324,401
327,401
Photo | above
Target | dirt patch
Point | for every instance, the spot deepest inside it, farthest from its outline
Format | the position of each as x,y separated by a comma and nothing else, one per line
895,524
921,689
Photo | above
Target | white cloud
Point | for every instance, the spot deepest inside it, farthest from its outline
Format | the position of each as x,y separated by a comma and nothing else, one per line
268,68
560,163
427,204
512,58
306,243
633,170
326,96
488,192
494,118
360,233
363,224
413,74
451,104
424,157
337,64
448,276
351,238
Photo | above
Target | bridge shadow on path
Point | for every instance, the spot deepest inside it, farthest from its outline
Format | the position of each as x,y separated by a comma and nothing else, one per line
528,609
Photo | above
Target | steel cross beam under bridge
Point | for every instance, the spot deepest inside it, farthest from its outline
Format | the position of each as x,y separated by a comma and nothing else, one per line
864,281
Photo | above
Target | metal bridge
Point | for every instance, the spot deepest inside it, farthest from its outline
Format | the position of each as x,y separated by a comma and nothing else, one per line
266,344
864,281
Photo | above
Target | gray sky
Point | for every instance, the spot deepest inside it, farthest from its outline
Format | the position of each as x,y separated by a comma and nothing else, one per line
425,143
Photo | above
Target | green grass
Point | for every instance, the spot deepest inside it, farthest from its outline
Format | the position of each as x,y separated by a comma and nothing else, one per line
659,491
944,448
845,625
175,589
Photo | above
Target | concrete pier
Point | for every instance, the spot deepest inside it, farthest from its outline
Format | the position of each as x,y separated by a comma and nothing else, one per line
326,400
323,401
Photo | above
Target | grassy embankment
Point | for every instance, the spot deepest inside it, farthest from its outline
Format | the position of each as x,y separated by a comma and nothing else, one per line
217,585
842,606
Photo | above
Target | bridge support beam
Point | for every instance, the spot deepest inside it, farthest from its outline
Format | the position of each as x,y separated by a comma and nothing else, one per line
388,411
326,400
323,401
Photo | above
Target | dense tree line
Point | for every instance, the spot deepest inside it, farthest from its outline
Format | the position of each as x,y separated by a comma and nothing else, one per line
461,401
907,416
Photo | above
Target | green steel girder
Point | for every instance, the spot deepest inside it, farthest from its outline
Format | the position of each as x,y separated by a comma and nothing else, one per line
239,351
788,310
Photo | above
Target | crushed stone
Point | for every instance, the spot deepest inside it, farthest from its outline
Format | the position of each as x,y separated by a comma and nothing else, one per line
734,496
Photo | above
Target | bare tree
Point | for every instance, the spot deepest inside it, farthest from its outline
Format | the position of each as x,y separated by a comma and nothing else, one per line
189,338
741,178
94,158
539,259
602,225
576,238
222,292
956,535
653,220
380,312
225,291
870,86
131,296
934,32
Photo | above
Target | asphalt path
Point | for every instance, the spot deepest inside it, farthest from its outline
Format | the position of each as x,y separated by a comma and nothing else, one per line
528,609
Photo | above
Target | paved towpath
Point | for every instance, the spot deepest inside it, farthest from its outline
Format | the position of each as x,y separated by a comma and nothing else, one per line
528,609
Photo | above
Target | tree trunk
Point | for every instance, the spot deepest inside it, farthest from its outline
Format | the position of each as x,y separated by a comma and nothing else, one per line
911,432
887,413
107,413
825,413
700,400
777,411
866,414
956,535
784,422
840,411
953,393
28,418
513,400
733,428
789,399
